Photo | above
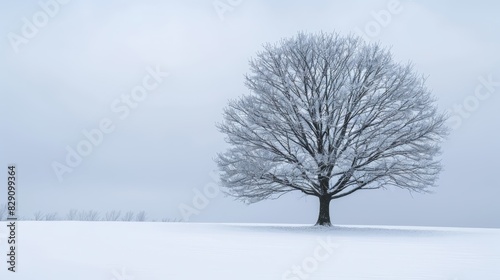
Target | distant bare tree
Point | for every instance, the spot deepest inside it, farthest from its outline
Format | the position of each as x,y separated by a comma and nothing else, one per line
39,216
3,212
72,215
51,216
141,216
113,215
90,215
329,116
129,216
170,220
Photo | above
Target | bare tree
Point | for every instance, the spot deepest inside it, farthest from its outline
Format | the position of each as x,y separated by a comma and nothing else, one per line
72,215
171,220
90,215
39,216
3,212
129,216
51,216
141,216
112,215
328,116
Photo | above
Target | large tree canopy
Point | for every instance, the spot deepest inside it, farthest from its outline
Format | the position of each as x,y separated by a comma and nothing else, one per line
328,116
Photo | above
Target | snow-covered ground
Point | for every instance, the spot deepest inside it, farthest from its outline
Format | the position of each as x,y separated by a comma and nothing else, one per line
147,251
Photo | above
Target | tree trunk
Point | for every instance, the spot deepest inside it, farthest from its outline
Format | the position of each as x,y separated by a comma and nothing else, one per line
324,211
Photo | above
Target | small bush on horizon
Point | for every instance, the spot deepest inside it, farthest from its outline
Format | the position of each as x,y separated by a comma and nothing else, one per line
90,215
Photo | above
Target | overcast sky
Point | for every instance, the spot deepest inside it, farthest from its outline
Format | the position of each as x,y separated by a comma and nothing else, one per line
74,69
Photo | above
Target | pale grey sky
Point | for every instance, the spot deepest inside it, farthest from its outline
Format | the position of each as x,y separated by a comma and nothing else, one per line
68,72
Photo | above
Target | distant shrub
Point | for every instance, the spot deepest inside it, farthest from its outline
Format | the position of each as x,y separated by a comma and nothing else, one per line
91,215
112,216
3,212
129,216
